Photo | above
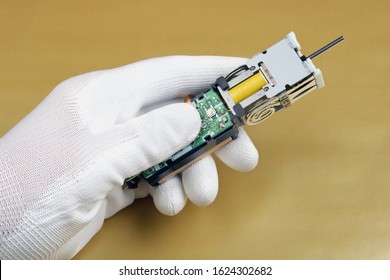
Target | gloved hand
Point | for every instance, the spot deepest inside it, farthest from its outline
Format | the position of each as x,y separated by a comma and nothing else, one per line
63,165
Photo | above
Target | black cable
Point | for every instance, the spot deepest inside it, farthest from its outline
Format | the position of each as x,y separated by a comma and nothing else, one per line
235,72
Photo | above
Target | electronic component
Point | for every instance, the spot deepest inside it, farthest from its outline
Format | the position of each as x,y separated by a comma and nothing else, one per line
268,82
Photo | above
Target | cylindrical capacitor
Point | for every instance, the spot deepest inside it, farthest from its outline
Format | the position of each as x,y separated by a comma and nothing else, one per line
248,87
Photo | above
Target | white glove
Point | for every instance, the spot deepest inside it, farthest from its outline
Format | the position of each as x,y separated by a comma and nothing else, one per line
63,165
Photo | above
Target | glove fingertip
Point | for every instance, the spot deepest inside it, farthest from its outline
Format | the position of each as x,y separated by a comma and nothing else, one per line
169,197
240,154
200,182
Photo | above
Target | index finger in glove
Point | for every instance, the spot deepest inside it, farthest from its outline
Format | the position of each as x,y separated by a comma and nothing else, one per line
137,88
169,77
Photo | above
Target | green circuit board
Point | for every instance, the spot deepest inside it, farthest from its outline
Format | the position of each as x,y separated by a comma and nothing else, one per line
215,119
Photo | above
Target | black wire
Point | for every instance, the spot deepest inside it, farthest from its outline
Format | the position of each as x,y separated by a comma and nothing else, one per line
327,47
235,72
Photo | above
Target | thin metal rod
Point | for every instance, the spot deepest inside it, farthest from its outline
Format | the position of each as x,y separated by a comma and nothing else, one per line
327,47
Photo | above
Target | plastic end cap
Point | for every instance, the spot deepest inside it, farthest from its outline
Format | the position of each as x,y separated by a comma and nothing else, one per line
293,39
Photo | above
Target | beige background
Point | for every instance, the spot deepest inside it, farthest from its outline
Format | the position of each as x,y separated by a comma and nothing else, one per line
322,188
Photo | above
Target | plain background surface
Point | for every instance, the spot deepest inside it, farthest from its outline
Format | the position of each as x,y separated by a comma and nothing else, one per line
321,190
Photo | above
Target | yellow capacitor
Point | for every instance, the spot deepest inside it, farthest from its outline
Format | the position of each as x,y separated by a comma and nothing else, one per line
247,87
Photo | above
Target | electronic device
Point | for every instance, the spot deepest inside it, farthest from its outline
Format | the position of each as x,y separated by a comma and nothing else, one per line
269,82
